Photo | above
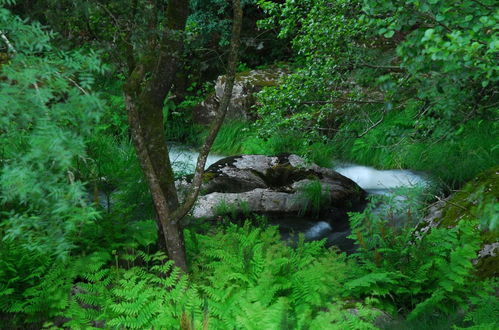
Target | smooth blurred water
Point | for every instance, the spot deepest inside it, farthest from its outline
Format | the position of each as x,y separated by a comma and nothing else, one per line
378,181
375,182
184,158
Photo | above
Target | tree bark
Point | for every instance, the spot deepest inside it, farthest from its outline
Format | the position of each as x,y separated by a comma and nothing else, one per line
145,91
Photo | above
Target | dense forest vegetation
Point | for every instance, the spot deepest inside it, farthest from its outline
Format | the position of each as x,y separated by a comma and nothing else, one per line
98,213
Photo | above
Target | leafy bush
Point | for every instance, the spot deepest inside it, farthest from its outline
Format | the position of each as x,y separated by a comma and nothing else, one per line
390,83
47,113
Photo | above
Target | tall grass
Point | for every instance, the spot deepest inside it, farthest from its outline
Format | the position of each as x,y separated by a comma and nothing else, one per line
239,137
314,198
452,160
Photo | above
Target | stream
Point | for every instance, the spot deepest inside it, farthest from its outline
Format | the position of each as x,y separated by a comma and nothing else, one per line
375,182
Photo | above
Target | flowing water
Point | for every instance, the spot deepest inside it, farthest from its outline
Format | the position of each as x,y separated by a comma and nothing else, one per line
184,159
375,182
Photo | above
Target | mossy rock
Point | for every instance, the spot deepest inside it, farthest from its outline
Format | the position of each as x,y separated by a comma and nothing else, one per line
246,85
272,185
478,199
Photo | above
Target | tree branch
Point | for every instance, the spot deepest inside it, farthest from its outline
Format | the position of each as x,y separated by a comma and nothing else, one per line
222,110
341,99
394,68
371,127
7,41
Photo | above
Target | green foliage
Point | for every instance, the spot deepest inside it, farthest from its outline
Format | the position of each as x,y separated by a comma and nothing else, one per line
239,137
450,54
327,44
115,177
403,272
394,145
232,211
136,298
314,198
37,286
247,278
386,83
240,280
393,83
231,139
47,112
178,123
485,307
254,281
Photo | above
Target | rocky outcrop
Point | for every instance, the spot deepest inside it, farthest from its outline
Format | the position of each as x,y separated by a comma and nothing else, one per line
284,185
478,199
246,85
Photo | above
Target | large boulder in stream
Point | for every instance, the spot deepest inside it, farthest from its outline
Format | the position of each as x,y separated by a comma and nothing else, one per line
284,185
246,85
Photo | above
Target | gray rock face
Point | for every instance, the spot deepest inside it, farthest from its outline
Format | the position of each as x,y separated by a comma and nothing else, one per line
273,185
246,85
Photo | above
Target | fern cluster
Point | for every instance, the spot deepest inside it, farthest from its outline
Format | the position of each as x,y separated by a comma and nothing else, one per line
242,278
252,280
401,272
135,298
245,277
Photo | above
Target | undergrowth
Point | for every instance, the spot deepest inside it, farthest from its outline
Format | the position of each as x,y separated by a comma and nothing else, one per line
454,158
404,273
246,277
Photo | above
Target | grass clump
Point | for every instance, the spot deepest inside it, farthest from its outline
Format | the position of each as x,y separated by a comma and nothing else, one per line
314,198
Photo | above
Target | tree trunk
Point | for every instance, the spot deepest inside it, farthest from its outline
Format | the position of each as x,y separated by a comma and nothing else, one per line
145,91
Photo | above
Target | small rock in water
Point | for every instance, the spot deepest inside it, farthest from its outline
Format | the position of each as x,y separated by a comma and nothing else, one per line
318,231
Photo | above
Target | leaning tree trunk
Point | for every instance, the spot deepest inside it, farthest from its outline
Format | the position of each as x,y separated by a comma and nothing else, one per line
145,91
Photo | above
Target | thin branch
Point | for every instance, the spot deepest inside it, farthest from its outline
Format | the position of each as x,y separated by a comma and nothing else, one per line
222,110
452,203
394,68
341,99
371,127
7,41
77,86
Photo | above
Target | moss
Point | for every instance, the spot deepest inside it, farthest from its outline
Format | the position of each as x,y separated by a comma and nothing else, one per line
466,204
4,59
207,176
472,202
267,78
285,174
488,266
